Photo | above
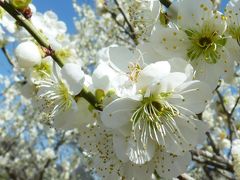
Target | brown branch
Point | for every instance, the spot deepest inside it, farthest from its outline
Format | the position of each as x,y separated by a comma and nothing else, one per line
166,3
224,175
114,17
133,35
207,172
185,176
222,102
212,143
231,125
207,158
235,106
8,57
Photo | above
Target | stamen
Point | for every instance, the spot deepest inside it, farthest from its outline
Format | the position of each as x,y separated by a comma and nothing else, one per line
155,119
207,43
58,97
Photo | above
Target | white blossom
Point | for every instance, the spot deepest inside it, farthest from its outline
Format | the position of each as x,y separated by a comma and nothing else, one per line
198,35
28,54
58,90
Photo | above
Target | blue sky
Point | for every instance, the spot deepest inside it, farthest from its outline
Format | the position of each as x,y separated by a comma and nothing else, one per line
63,8
65,12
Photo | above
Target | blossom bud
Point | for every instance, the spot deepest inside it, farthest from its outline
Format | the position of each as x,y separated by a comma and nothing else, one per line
28,54
20,4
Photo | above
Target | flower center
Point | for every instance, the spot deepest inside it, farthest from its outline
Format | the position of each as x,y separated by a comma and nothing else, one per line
154,118
206,43
134,70
56,95
42,70
66,97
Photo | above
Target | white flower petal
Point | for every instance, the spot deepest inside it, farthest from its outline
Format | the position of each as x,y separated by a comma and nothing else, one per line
232,12
102,77
67,119
153,73
171,165
118,112
192,130
74,117
151,54
195,95
170,42
28,90
120,146
234,49
139,172
171,81
74,77
28,54
191,14
220,25
211,73
139,153
150,16
181,65
174,143
123,86
103,54
120,57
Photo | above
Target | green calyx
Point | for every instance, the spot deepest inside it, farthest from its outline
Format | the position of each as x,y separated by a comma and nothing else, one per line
2,12
63,53
20,4
206,43
42,70
234,31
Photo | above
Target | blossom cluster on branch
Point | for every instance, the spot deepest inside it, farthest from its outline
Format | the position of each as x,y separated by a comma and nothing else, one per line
149,85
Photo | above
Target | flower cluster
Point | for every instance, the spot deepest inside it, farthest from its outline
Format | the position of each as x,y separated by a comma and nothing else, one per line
139,112
29,149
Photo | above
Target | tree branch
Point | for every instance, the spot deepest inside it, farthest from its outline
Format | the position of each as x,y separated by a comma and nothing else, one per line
212,143
207,158
30,28
133,35
166,3
43,42
4,50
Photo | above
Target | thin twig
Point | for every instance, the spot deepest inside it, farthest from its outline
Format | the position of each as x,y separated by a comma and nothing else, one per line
8,57
166,3
185,176
231,126
212,143
235,105
114,17
133,35
222,101
224,174
207,158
